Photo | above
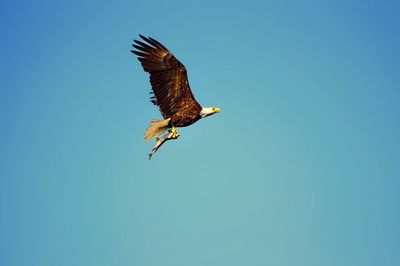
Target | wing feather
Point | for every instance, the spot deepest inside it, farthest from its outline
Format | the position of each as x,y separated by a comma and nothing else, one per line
168,77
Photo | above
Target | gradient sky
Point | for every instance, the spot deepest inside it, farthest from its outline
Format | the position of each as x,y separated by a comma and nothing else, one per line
301,167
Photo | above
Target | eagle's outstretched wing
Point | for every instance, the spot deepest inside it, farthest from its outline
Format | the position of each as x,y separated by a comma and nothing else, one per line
168,77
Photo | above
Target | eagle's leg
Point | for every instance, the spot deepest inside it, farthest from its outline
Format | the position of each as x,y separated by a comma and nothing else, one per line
175,133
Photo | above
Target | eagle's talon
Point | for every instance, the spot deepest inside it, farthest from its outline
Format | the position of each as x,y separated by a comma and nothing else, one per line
175,133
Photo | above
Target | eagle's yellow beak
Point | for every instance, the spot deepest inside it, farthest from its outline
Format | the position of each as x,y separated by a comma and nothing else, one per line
216,109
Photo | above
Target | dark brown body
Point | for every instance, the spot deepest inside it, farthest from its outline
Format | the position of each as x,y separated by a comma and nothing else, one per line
184,119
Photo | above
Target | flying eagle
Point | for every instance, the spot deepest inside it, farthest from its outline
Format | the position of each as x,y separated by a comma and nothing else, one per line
171,91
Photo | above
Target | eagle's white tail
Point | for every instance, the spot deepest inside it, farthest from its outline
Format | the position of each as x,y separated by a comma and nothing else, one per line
156,128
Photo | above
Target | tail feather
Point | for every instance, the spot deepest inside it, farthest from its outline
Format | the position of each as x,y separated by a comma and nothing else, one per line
156,128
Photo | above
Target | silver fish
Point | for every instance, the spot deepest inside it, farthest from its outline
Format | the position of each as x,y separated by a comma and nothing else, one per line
160,141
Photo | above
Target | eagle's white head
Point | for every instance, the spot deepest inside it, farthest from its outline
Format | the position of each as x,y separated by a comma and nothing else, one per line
207,111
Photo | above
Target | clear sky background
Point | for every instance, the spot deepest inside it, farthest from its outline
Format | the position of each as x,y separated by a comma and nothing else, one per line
301,167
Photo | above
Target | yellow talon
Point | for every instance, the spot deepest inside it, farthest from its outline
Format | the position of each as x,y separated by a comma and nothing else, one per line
175,132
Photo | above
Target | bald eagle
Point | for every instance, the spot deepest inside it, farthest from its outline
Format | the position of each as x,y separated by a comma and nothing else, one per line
170,89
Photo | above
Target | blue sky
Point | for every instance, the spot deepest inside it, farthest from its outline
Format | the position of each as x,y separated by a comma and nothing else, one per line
301,167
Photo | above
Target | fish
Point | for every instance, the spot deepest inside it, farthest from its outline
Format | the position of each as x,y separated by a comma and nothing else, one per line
161,141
